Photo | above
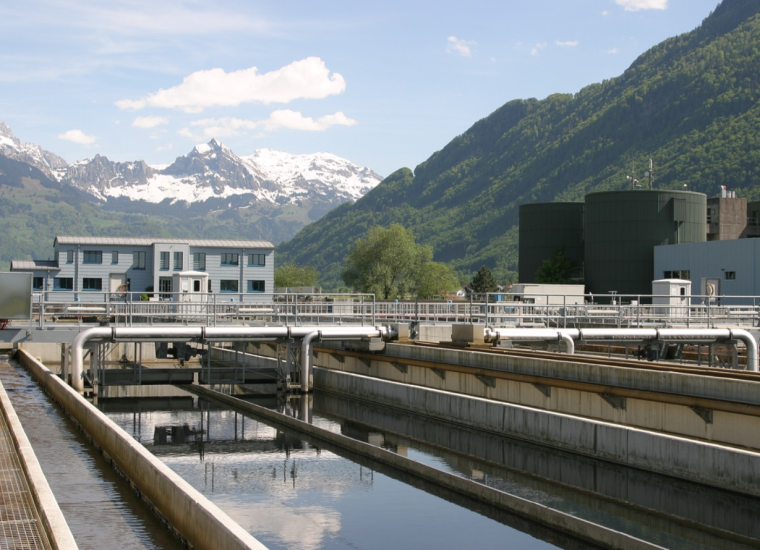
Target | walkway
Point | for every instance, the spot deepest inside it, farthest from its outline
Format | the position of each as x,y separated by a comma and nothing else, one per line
20,523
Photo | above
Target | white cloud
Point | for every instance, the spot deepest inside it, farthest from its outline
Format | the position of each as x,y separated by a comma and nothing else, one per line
149,121
537,48
636,5
457,45
296,121
305,79
78,136
605,13
285,118
567,43
613,51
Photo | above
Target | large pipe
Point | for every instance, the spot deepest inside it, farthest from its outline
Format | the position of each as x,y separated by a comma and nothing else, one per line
140,334
306,359
545,334
641,334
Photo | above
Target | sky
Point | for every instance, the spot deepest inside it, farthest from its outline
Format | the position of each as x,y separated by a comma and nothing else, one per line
382,84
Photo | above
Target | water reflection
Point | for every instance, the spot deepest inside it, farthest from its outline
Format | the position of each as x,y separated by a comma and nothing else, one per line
292,494
660,509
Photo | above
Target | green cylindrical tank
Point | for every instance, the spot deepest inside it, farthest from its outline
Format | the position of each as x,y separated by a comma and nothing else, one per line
546,228
623,227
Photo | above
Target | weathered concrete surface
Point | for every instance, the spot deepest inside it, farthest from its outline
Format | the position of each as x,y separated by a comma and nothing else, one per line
50,513
719,466
197,519
726,427
50,353
558,520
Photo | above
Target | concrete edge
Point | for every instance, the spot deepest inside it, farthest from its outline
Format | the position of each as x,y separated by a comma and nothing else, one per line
188,511
539,513
741,391
52,517
727,468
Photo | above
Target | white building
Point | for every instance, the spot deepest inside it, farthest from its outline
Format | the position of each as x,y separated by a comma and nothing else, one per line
86,268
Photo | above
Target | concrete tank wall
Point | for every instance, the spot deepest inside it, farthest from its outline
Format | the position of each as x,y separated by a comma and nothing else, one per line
623,227
723,467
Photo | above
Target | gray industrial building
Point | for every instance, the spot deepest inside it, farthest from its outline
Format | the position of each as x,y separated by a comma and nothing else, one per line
547,228
623,227
85,268
620,230
732,267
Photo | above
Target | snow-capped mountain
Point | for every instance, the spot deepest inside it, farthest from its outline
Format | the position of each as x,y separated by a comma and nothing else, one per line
50,164
208,171
212,170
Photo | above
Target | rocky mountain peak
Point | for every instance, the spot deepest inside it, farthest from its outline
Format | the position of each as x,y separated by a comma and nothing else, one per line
48,163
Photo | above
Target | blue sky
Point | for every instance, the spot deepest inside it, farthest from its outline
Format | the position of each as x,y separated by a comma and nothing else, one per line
383,84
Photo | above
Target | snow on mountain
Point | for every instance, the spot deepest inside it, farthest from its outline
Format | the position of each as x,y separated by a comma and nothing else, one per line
212,170
50,164
209,171
298,173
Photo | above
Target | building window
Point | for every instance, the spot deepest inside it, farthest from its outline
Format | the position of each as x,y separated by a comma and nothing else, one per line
228,286
115,257
163,260
730,275
684,274
69,256
138,260
256,286
178,261
92,257
257,259
63,283
38,283
229,258
92,284
199,261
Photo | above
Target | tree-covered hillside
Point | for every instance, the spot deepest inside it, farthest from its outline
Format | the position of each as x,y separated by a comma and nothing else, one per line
691,102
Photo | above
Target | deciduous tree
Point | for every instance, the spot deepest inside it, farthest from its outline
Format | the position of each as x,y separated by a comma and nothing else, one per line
388,262
290,275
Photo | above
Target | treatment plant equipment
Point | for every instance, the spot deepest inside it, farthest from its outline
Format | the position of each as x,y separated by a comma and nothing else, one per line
545,229
623,227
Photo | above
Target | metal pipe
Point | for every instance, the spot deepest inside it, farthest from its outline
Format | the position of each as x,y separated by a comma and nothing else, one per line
569,335
306,359
77,353
138,334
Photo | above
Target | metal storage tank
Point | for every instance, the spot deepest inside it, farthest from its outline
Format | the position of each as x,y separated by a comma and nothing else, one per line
623,227
544,229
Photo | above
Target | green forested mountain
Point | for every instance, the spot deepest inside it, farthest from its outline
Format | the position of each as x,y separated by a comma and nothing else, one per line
691,102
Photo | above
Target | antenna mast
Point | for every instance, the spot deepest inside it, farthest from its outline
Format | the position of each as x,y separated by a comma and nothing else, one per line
632,177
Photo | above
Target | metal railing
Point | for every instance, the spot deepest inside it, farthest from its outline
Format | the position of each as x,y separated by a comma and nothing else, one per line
495,309
128,309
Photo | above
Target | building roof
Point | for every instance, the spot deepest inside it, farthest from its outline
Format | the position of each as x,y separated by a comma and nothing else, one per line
137,241
34,265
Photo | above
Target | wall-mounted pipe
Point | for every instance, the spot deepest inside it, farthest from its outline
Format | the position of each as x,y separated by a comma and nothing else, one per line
142,334
636,334
544,334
